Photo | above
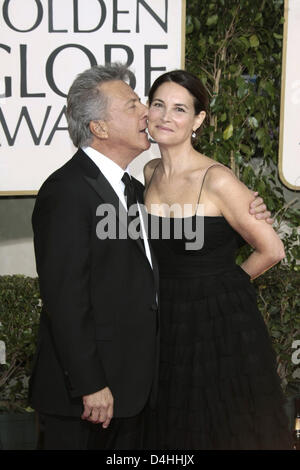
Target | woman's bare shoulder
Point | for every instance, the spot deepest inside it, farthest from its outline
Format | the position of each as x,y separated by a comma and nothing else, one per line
220,178
210,169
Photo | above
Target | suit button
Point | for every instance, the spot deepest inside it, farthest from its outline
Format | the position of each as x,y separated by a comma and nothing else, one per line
154,307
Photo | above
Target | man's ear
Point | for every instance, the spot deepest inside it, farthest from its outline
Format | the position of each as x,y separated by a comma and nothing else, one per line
99,129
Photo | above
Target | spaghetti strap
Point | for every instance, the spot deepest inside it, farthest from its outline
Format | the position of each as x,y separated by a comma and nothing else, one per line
214,164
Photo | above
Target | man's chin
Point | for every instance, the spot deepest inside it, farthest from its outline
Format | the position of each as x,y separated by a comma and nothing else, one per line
146,144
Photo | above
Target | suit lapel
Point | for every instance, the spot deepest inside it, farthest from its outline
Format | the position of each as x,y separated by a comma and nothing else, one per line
108,195
100,184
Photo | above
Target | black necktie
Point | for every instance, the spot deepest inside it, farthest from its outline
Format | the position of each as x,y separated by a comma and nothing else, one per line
131,199
129,190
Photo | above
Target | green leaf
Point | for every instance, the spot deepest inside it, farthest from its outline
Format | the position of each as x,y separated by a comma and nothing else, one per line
204,79
189,28
270,88
212,20
244,42
233,68
238,158
261,187
260,134
228,132
202,42
242,92
246,149
240,81
254,41
252,121
260,58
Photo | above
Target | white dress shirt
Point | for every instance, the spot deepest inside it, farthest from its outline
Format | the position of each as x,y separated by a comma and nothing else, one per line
114,174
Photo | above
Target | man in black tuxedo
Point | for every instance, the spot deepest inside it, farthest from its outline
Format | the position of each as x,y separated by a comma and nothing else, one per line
95,371
97,346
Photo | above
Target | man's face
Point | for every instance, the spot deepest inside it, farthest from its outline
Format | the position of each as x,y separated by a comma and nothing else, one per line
126,119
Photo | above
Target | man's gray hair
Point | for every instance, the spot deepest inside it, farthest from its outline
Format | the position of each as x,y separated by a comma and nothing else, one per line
86,102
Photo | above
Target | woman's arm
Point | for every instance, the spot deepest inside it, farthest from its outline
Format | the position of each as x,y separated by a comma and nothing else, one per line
232,198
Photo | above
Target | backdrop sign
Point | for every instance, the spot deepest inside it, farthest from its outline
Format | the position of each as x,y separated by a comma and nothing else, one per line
45,44
289,155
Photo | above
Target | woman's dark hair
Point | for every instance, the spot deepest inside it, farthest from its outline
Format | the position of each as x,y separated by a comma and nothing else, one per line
191,83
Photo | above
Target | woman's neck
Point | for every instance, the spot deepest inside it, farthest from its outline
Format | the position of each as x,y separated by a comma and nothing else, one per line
178,159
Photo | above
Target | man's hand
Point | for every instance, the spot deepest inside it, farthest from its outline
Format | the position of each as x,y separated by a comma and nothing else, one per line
259,209
98,407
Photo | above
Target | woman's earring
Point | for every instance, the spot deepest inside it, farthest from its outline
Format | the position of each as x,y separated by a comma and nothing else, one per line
193,134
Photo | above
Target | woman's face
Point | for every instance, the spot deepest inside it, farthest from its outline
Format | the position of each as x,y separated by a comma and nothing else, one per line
172,118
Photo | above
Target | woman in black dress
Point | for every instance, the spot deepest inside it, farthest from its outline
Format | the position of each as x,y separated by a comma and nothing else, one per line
218,386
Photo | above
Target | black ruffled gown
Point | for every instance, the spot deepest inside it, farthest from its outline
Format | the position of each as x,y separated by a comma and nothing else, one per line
218,385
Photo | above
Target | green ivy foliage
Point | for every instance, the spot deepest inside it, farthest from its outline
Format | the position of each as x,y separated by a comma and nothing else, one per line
20,307
236,49
279,302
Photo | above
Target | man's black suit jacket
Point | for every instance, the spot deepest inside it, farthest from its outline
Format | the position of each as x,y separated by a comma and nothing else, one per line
99,324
